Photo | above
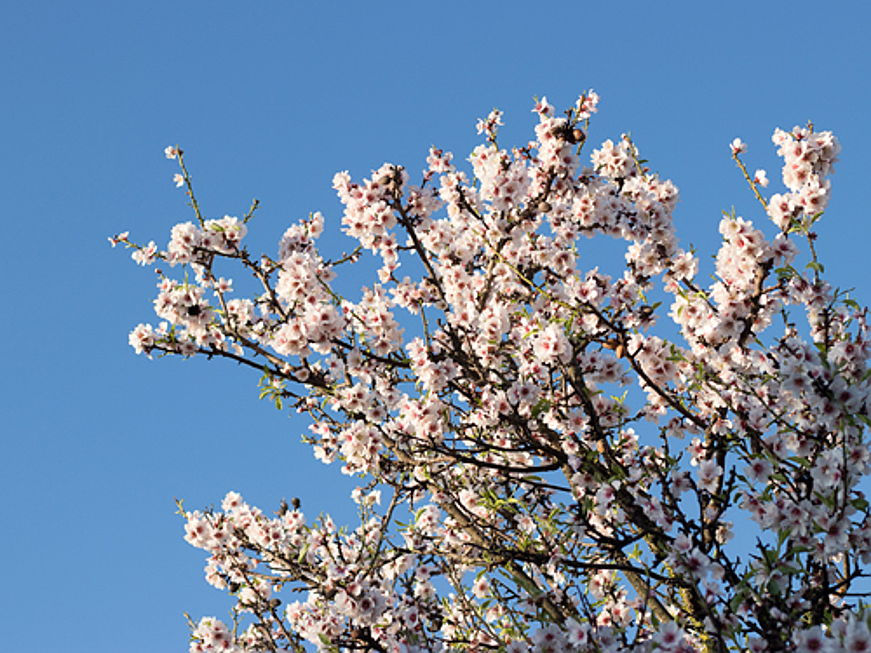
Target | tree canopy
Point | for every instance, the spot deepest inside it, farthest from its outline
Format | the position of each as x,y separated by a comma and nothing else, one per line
554,457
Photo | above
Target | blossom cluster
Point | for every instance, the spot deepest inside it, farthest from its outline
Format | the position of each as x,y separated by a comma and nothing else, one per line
548,466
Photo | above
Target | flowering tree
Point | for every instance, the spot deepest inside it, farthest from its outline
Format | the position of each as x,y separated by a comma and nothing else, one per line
542,471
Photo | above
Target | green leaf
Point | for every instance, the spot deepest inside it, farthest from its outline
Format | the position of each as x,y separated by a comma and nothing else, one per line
543,405
736,601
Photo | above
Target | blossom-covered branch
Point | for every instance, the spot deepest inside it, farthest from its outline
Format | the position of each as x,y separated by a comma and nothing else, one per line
567,458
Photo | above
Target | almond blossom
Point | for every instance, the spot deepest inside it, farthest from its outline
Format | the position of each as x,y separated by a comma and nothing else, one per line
550,457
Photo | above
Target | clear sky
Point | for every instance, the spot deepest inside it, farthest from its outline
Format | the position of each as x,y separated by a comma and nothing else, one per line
269,99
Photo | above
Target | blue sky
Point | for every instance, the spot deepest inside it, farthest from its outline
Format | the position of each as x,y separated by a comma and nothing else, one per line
269,99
